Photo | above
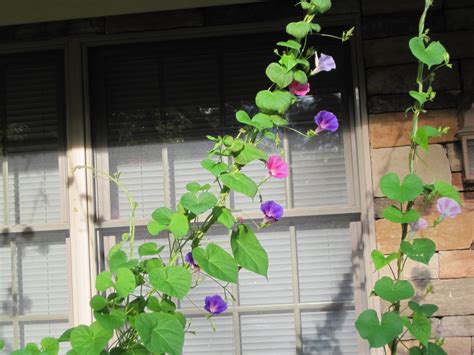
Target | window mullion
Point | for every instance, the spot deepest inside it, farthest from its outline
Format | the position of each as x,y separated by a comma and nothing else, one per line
14,284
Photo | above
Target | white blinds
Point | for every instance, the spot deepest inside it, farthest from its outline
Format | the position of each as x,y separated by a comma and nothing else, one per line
205,341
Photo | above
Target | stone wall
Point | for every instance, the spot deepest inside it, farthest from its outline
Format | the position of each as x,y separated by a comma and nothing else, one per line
390,73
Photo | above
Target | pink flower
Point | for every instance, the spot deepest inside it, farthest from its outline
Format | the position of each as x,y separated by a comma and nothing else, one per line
448,207
323,63
277,167
419,225
299,89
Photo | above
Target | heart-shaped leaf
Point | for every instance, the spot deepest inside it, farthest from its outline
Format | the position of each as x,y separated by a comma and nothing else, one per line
173,280
432,349
262,121
248,251
290,44
278,101
380,261
426,309
421,250
394,215
125,282
408,190
423,135
198,204
240,182
162,215
298,29
301,77
90,339
216,262
149,248
393,291
419,327
225,216
214,167
179,225
434,54
445,189
243,117
249,154
378,333
279,75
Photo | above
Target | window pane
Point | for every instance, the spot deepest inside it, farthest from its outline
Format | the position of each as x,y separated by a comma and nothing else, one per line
325,261
268,334
33,332
470,155
6,334
255,289
6,279
326,333
206,340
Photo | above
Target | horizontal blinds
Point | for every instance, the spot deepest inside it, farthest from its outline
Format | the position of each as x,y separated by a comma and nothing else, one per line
327,333
35,331
268,334
207,341
33,113
6,334
6,278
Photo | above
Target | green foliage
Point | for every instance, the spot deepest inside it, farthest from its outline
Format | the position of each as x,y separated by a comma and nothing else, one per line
298,29
379,333
278,101
215,168
380,261
410,188
103,281
98,302
249,154
426,309
174,281
445,189
240,182
90,339
419,327
224,217
248,251
434,54
149,248
423,135
216,262
421,250
198,204
125,282
279,75
393,214
393,291
179,225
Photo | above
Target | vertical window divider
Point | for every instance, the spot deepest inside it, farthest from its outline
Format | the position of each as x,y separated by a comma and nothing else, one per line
296,287
15,306
6,215
289,179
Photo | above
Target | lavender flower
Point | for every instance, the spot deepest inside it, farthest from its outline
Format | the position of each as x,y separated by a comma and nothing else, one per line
326,121
419,225
215,304
448,207
272,211
190,260
323,63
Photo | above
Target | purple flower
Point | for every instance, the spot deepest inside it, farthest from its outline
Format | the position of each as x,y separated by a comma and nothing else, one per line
299,89
323,63
448,207
326,121
272,211
215,304
190,260
419,225
277,167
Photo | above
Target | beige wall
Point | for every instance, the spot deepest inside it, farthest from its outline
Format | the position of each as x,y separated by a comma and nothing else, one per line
30,11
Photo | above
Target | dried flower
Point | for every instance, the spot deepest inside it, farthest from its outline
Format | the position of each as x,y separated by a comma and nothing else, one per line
215,304
277,167
326,121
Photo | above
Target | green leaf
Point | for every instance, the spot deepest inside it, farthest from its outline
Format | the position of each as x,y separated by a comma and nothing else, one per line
279,75
117,259
278,121
378,333
162,215
434,54
298,29
408,190
380,261
322,5
248,251
392,291
103,281
426,309
193,186
432,349
225,217
243,117
215,168
423,135
179,225
422,250
160,333
277,101
316,27
419,327
155,228
2,344
66,336
98,302
393,214
300,76
240,182
290,44
149,248
249,154
50,346
125,282
445,189
289,61
262,121
198,204
151,264
216,262
31,348
421,97
173,280
115,319
90,340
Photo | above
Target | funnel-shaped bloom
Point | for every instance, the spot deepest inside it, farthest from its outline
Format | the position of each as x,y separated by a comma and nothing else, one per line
326,121
419,225
323,63
190,260
215,304
277,167
448,207
272,211
298,89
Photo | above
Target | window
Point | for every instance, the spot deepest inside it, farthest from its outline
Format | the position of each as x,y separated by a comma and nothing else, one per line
33,207
151,107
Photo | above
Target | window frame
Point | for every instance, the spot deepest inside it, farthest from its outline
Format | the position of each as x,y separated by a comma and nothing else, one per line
82,222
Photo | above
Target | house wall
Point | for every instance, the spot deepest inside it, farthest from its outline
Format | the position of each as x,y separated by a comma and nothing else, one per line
390,72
